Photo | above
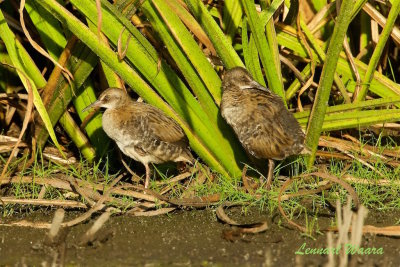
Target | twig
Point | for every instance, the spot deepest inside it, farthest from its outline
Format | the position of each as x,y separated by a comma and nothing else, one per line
44,202
153,212
252,228
36,45
56,224
90,234
122,53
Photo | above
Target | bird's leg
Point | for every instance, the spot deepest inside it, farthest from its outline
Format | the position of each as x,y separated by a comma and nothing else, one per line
148,172
135,177
271,166
244,178
246,181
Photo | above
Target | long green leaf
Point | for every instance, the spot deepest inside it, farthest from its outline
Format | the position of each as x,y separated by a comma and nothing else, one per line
353,106
180,38
47,27
219,142
373,63
266,54
80,140
328,71
220,41
81,64
380,85
231,16
190,47
250,55
363,118
134,80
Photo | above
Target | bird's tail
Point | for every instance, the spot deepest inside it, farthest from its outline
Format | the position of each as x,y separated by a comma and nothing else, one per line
188,157
305,151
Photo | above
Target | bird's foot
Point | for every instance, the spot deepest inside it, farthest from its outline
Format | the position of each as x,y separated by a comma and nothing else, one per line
247,182
270,176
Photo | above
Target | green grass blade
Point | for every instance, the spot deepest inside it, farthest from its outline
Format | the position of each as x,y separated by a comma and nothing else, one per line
362,119
226,166
94,127
191,23
322,56
353,106
271,37
81,64
54,42
373,63
80,140
380,85
231,15
192,51
112,78
220,41
48,28
354,115
250,54
328,71
296,84
266,54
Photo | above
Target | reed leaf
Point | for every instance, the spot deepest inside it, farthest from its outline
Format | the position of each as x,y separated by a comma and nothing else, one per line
352,106
373,63
250,55
317,115
47,26
264,49
196,57
223,162
79,139
221,43
231,17
380,85
361,119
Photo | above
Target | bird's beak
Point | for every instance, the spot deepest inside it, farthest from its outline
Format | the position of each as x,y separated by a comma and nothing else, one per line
96,105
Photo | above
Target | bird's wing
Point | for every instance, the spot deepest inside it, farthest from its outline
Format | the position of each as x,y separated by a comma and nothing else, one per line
164,128
273,129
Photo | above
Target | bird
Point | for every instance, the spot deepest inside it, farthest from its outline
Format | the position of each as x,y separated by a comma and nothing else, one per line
263,125
142,131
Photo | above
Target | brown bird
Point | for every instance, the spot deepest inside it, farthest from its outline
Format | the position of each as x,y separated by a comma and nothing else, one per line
266,129
141,131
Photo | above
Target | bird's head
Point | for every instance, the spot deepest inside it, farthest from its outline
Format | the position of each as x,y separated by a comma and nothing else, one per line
109,99
239,78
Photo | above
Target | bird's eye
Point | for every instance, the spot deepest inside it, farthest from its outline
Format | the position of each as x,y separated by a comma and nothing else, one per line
106,98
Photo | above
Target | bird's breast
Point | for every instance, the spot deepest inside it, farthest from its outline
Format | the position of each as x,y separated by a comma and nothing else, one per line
119,128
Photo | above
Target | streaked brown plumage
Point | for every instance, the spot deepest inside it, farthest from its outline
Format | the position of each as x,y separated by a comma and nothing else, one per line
141,131
266,129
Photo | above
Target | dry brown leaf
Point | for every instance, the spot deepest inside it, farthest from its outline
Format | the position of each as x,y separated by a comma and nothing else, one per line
252,228
153,212
28,114
36,45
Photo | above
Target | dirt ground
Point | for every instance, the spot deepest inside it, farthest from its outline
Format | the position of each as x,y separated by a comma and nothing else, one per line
183,238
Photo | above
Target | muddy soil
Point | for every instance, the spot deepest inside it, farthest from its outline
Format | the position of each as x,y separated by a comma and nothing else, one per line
183,238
